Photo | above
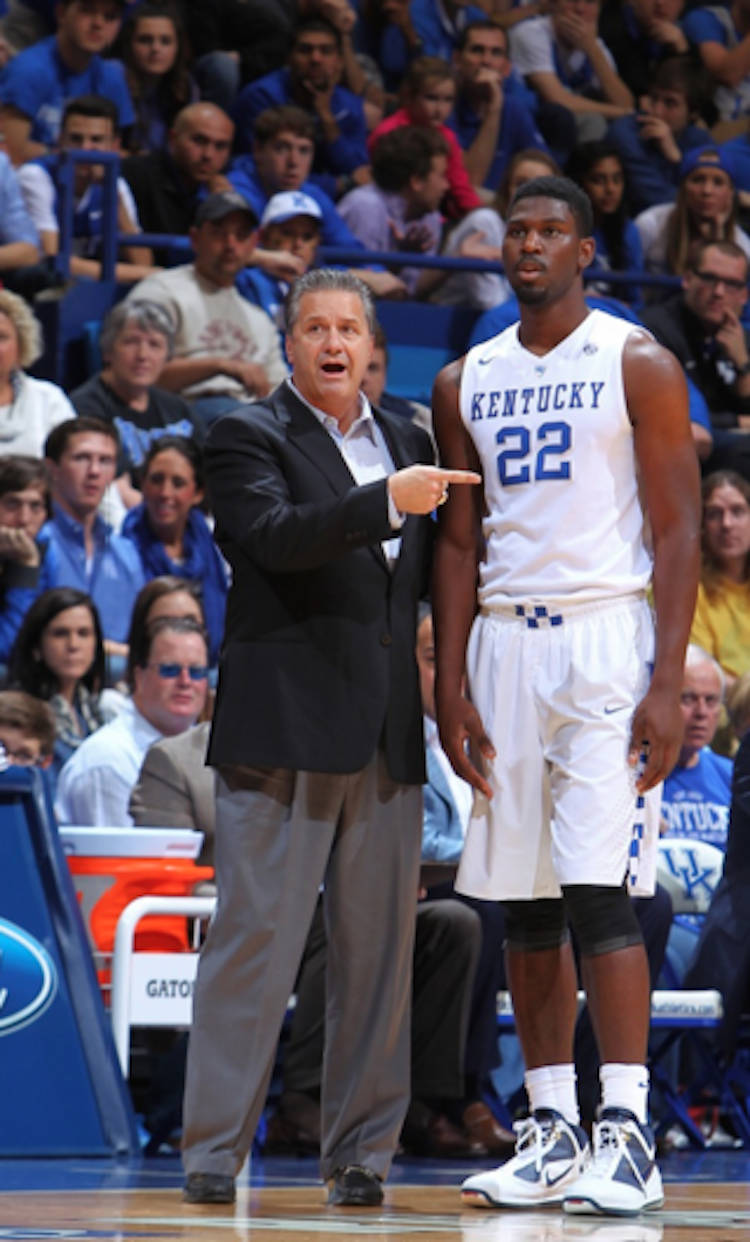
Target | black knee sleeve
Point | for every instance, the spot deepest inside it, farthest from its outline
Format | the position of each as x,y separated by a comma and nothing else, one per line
603,919
531,926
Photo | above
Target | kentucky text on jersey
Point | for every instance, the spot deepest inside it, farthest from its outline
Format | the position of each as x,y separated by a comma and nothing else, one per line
508,402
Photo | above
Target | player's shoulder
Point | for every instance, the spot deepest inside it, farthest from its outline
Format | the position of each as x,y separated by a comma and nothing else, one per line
487,352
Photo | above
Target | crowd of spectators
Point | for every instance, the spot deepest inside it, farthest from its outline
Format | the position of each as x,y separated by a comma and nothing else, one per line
251,133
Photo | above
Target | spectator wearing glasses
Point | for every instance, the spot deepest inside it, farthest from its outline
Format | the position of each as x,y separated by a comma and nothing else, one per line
702,325
27,731
169,684
59,657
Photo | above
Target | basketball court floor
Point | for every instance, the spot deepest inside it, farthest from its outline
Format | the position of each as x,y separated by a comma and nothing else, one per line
707,1200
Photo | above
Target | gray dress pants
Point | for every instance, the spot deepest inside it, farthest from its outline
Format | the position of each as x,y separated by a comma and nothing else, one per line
280,835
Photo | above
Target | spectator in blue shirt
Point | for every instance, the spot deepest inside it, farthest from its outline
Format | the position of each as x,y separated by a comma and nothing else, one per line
35,84
281,163
290,225
652,142
721,34
20,248
491,124
698,790
82,460
310,81
440,23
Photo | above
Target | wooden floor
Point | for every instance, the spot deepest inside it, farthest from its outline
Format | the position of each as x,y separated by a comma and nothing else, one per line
74,1200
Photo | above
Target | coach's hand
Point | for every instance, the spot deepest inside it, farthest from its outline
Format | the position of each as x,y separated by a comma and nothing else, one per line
420,489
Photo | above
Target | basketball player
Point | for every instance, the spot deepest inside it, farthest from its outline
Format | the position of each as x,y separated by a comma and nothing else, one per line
572,713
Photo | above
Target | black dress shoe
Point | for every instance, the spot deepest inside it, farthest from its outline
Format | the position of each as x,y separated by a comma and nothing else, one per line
355,1186
208,1188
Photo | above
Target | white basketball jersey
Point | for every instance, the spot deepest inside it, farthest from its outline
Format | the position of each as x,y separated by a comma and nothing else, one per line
564,520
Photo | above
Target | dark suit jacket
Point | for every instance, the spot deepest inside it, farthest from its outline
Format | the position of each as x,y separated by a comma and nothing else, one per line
722,955
318,663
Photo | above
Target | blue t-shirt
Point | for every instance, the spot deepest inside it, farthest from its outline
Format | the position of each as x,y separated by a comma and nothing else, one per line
38,83
518,131
696,801
243,175
332,159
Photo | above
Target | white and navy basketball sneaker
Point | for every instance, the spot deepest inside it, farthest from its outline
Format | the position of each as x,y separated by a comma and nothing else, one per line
623,1178
551,1154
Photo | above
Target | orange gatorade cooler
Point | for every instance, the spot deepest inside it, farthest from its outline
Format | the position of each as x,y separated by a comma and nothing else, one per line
113,866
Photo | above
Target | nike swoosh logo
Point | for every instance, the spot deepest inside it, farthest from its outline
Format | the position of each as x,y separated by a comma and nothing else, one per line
552,1181
483,362
610,711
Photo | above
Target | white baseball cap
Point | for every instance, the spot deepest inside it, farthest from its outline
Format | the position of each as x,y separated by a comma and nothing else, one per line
288,205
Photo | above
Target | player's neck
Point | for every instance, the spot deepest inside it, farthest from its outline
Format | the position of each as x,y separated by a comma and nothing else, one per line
544,327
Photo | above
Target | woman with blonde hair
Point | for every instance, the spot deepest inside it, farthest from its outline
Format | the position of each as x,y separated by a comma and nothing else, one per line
707,207
721,623
29,408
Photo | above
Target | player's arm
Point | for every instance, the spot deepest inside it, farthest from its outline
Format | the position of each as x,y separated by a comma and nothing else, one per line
657,399
454,584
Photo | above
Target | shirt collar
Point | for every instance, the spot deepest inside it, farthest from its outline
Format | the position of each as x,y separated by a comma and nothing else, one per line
72,527
364,423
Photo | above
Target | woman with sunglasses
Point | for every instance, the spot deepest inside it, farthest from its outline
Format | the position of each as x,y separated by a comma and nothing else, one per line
171,534
58,656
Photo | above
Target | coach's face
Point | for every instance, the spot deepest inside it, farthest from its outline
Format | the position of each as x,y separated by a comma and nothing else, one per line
329,349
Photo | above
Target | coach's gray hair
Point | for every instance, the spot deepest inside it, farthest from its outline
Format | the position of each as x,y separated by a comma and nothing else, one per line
146,315
697,655
322,279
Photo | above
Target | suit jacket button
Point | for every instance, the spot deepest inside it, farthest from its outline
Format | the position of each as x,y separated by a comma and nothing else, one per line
386,640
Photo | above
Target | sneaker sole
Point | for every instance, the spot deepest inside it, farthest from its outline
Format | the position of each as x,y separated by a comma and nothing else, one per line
480,1199
590,1207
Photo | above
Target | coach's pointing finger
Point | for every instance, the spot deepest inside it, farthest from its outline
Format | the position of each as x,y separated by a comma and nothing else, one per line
419,489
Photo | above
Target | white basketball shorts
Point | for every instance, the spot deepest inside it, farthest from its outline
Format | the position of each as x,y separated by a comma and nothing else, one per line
556,690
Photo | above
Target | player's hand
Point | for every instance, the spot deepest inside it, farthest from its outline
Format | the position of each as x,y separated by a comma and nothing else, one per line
461,735
420,489
656,736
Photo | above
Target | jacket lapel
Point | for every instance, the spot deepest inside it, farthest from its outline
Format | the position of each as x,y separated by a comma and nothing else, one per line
312,439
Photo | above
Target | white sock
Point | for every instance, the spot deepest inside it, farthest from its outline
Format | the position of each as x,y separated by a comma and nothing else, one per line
554,1086
625,1086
